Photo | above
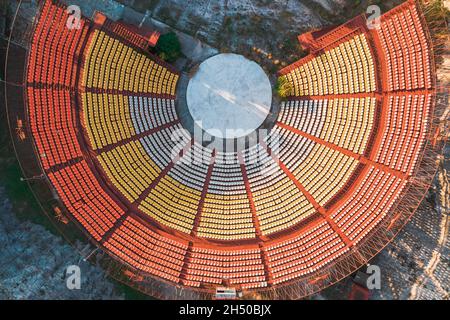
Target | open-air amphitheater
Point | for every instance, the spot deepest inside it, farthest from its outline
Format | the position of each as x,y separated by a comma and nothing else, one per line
99,126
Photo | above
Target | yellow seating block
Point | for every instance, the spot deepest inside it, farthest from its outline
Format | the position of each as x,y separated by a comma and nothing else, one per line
226,217
172,204
346,69
349,123
112,65
107,119
325,172
280,206
130,169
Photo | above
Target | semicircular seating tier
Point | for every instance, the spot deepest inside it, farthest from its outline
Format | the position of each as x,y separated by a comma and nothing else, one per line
347,142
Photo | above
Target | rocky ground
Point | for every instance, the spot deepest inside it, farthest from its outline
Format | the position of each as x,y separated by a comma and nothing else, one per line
33,263
263,30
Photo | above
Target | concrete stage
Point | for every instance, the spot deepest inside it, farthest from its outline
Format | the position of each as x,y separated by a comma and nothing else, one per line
229,97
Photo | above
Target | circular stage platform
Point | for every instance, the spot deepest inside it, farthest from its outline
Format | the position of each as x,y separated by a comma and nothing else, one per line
230,96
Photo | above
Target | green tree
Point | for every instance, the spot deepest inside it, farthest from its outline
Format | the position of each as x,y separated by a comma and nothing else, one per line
284,87
168,47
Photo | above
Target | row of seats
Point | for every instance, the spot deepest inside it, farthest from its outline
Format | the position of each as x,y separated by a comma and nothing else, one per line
54,47
174,199
53,124
346,69
130,169
85,199
290,148
152,253
321,179
347,123
111,118
111,65
52,116
150,113
219,219
163,145
309,252
226,217
192,169
172,204
310,163
375,196
279,204
226,213
405,127
129,35
336,35
107,119
305,115
406,50
227,176
51,65
242,267
147,251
